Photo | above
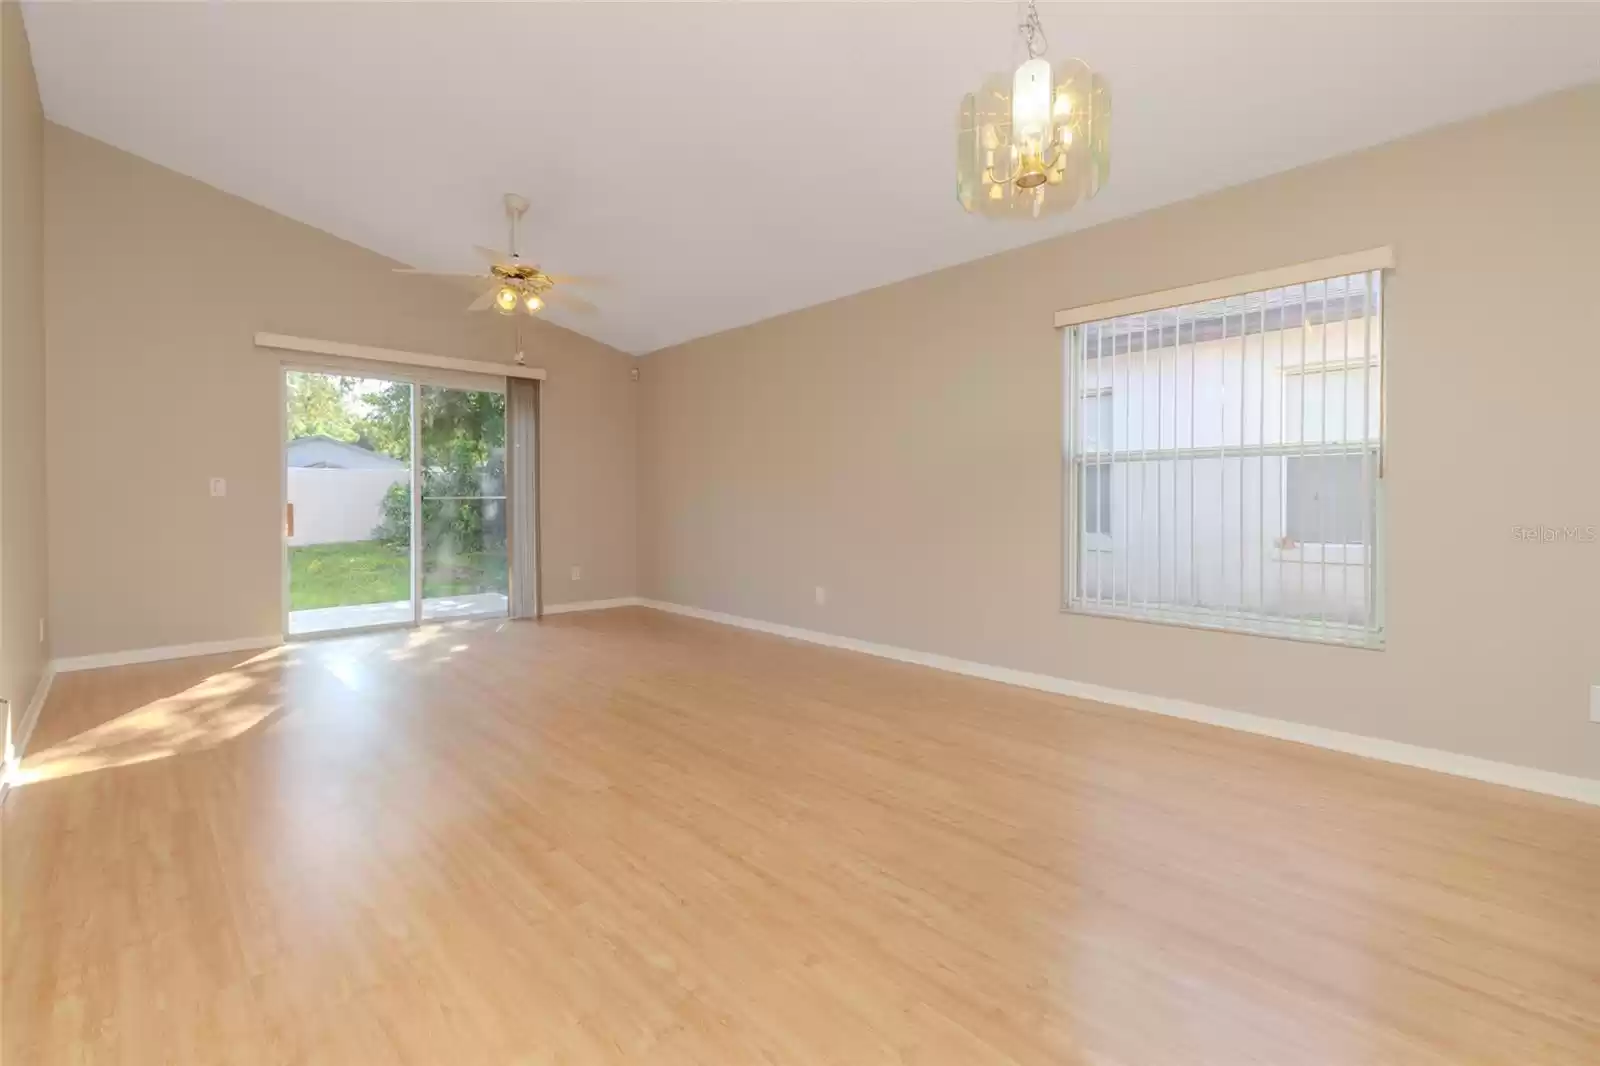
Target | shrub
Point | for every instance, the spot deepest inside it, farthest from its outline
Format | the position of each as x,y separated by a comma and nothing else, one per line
466,525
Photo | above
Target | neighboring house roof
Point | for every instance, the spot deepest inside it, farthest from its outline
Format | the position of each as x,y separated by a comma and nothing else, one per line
325,452
1287,307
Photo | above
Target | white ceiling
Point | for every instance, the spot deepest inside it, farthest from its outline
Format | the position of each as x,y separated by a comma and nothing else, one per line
725,163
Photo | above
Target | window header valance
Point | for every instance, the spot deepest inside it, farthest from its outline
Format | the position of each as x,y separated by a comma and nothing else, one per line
393,357
1353,263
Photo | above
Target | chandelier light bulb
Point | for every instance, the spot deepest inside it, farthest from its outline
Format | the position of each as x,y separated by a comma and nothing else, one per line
1030,101
506,299
533,303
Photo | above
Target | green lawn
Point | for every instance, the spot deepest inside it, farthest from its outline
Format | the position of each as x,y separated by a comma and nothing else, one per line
340,575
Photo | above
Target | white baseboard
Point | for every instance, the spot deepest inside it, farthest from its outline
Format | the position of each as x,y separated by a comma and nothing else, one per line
1582,789
171,651
24,730
30,717
592,605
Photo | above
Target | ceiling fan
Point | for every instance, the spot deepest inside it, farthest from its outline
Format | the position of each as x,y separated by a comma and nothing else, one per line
515,285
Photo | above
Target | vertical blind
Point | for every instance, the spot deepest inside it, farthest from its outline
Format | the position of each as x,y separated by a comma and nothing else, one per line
522,477
1225,462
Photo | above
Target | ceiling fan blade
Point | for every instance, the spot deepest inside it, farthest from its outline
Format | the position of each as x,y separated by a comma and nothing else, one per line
483,302
494,256
567,301
593,280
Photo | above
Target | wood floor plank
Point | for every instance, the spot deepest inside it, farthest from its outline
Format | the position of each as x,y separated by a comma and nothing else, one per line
626,836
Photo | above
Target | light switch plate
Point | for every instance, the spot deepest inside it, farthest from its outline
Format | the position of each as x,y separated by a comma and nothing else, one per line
577,573
1594,703
219,486
822,596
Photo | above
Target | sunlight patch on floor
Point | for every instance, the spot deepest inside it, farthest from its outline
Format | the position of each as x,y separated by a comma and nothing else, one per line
206,714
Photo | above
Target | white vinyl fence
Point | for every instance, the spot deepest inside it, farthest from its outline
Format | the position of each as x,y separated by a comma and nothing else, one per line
333,506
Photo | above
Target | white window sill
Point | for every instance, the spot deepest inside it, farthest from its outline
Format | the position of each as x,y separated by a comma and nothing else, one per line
1307,630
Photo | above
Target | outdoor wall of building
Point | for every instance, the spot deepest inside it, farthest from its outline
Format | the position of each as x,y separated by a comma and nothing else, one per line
333,506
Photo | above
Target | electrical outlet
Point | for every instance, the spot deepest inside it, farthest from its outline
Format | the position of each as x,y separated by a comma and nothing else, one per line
219,486
822,596
577,573
1594,703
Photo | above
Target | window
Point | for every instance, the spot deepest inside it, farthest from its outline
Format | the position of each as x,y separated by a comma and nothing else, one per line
1224,460
1323,501
1097,414
1097,503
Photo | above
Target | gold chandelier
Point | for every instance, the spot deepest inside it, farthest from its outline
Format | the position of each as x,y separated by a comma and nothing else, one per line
1036,142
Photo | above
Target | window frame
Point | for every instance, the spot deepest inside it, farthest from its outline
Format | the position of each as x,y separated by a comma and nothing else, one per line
1370,634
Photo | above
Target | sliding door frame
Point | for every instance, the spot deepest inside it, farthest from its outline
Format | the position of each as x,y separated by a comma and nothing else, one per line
418,535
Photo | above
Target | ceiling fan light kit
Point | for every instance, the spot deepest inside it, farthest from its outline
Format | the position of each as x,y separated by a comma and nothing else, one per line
521,285
1035,142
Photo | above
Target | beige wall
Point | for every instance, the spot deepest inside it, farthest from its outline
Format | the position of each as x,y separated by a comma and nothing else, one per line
156,284
22,370
902,447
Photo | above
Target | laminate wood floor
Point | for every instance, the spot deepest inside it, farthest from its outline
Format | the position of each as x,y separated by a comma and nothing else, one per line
626,837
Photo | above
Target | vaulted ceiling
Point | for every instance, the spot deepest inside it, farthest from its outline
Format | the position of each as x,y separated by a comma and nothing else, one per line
724,163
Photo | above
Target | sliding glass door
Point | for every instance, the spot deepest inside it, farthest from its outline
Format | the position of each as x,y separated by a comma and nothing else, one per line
395,502
463,549
348,477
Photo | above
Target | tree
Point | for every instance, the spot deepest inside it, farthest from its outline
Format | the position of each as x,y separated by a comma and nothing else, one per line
463,448
352,409
385,425
319,406
459,427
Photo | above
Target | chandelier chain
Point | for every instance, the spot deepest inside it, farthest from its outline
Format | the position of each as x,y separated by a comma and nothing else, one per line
1032,30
